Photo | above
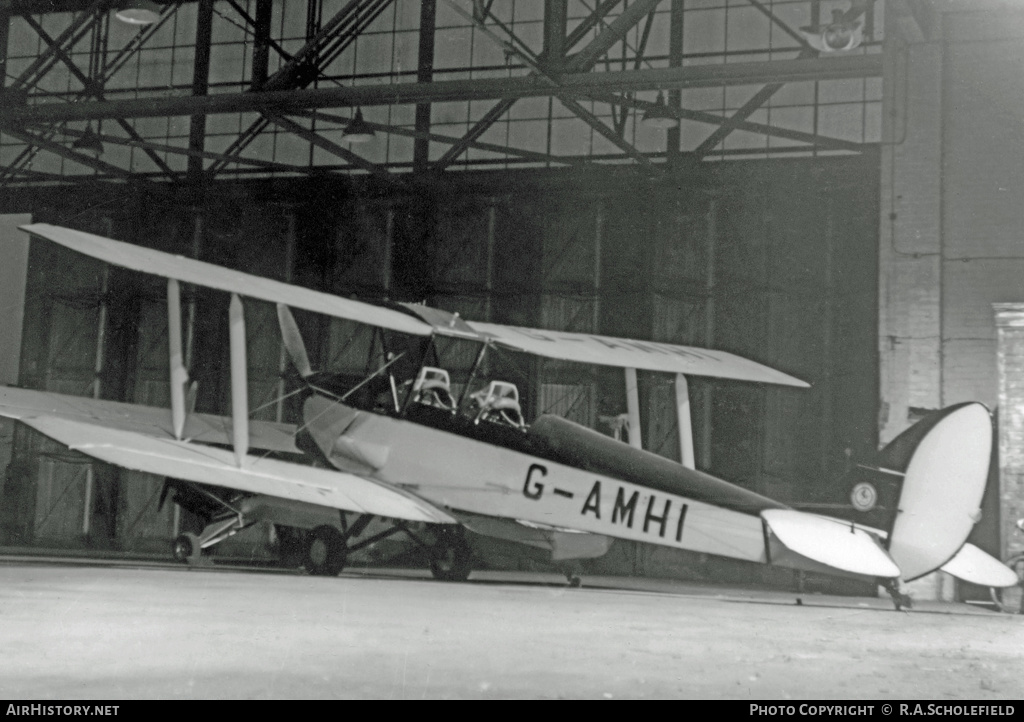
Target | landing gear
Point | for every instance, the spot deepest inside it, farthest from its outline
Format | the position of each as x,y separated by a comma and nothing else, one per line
186,548
900,600
451,557
221,510
325,552
572,573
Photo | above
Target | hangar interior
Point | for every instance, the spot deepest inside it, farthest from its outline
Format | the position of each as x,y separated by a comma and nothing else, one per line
700,172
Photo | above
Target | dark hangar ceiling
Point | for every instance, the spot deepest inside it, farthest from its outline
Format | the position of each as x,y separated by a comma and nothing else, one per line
238,88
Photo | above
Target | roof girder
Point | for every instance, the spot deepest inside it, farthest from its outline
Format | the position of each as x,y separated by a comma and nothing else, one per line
584,61
575,84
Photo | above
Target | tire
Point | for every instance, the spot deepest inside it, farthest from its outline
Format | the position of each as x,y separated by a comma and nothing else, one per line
186,548
451,558
1011,599
325,552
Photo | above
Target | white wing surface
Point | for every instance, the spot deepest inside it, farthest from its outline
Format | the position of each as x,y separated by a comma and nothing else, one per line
189,270
832,542
942,491
564,345
148,420
648,355
210,465
973,565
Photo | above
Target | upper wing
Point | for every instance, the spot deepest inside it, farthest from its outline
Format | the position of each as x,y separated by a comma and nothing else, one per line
189,270
649,355
210,465
422,320
148,420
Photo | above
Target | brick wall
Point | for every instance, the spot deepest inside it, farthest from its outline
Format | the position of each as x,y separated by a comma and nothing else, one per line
952,220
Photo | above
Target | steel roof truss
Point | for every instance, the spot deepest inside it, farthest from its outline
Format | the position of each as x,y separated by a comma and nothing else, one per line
448,139
582,62
324,48
332,147
701,76
138,142
701,116
94,87
65,152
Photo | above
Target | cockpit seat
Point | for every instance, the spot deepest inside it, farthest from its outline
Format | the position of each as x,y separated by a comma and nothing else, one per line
433,387
499,403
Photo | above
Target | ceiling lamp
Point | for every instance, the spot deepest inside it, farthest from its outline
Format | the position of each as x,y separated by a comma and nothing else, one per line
138,12
357,130
658,115
88,142
835,37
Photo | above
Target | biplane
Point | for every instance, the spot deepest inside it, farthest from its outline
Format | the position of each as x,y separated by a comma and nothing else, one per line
406,446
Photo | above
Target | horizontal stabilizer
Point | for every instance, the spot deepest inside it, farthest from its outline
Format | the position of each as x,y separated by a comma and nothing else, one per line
831,542
210,465
648,355
189,270
975,566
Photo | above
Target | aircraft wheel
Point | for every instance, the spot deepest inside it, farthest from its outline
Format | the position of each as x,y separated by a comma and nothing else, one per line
450,558
186,548
325,552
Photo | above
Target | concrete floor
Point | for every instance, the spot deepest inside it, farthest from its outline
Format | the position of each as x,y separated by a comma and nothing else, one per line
134,631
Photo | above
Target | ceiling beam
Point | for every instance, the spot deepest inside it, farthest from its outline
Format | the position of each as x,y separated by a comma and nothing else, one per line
424,74
94,87
179,150
582,62
857,8
555,15
285,77
589,23
109,69
616,30
746,110
200,87
702,116
691,76
65,152
594,122
449,139
333,148
77,29
320,50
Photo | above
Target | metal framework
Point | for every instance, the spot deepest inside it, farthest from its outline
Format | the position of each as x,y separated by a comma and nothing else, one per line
601,61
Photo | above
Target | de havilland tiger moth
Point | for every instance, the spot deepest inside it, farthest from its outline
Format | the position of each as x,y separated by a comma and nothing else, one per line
403,447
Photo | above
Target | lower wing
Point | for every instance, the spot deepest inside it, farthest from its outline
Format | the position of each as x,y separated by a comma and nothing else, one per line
152,421
211,465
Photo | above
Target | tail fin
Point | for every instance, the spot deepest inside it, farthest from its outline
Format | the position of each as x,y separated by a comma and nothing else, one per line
944,459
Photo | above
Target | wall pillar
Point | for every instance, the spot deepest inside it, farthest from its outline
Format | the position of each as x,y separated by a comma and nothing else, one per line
1010,358
910,234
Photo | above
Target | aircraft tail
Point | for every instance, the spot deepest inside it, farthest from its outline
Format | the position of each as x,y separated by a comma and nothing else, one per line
944,462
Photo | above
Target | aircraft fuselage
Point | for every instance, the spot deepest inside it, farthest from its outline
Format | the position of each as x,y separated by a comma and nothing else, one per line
516,474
